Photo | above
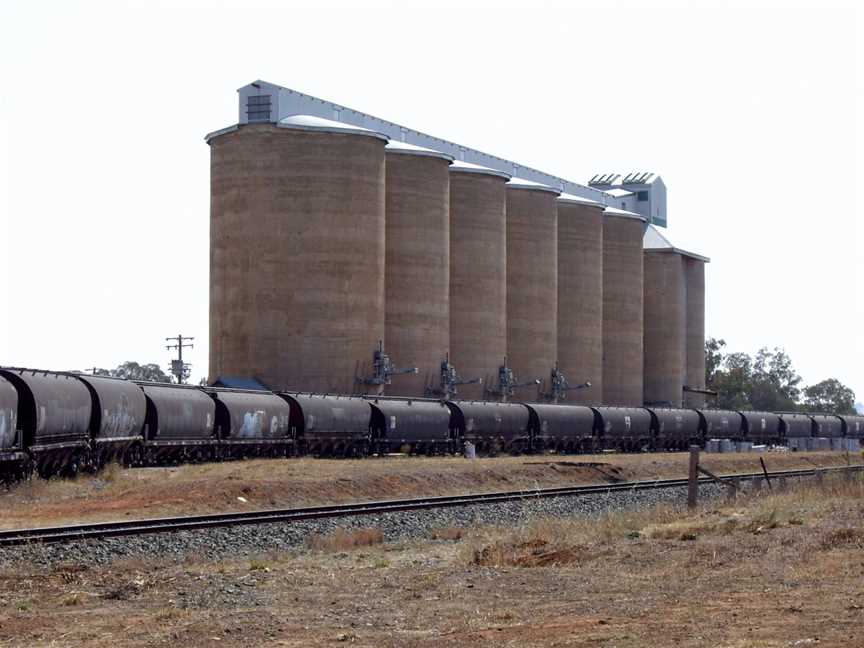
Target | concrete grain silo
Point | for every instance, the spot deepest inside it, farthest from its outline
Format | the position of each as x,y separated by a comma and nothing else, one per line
665,327
694,278
532,282
622,307
297,252
478,273
417,262
580,296
674,295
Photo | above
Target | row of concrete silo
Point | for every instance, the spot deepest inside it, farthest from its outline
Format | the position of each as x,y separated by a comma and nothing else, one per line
324,242
674,338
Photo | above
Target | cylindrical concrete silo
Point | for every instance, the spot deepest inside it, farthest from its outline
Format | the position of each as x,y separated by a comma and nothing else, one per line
622,307
297,252
417,264
694,277
532,282
478,274
580,296
665,309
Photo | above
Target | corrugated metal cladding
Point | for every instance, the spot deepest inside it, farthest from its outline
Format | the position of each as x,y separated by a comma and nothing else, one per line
580,298
297,254
532,283
665,297
417,266
622,310
478,276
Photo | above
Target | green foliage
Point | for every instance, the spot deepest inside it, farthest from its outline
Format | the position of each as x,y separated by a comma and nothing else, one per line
135,371
768,382
829,396
774,385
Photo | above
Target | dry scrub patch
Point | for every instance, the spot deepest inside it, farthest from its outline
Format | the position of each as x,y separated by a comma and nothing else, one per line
255,484
774,570
346,539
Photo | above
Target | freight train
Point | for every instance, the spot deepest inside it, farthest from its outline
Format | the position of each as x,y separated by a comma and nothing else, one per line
60,423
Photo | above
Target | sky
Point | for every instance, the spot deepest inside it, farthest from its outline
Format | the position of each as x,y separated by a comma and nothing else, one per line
749,111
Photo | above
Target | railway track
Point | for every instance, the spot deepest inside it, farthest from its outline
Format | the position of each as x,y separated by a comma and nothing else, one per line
101,530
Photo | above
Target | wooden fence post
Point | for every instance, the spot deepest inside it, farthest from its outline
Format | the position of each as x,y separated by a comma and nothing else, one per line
693,478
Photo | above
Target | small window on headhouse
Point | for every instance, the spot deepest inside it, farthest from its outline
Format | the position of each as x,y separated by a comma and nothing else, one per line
642,196
258,108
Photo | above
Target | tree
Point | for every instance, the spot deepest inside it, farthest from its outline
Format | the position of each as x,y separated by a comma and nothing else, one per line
135,371
713,361
829,396
774,383
734,382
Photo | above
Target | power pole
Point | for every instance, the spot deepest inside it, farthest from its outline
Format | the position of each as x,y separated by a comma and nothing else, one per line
179,369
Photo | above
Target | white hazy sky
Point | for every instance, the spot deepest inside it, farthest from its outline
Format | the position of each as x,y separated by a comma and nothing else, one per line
751,113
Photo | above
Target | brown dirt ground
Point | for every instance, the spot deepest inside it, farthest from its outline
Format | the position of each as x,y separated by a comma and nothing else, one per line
763,572
244,485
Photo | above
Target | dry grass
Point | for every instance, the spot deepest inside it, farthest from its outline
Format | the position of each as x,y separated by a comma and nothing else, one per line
345,540
449,533
561,541
767,571
118,493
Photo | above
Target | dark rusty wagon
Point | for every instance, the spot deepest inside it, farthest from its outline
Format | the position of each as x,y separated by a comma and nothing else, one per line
561,428
54,412
335,426
624,428
827,426
491,427
853,426
252,423
675,429
179,424
721,424
411,425
13,459
795,426
761,427
116,420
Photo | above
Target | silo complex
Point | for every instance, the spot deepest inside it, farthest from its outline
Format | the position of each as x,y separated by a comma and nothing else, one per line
478,273
532,282
694,277
580,296
333,229
417,262
297,252
622,307
665,297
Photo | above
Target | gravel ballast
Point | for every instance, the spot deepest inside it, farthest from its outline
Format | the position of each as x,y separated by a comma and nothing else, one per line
253,540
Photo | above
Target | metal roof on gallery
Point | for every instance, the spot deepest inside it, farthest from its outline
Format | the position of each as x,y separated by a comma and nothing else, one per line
579,200
311,123
522,183
654,241
293,102
403,148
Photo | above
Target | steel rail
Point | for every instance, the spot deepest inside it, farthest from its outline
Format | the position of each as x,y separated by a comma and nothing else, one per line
101,530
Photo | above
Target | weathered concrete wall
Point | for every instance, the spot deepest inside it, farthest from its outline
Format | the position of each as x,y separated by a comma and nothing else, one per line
694,275
417,281
580,299
478,277
622,310
665,327
532,286
297,256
